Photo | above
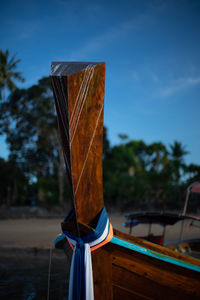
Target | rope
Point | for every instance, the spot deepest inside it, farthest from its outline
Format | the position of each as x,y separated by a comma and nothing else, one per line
49,273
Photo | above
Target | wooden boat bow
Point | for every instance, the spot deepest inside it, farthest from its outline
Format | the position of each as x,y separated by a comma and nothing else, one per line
127,267
79,97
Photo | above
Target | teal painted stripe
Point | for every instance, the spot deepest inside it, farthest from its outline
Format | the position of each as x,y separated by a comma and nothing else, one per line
154,254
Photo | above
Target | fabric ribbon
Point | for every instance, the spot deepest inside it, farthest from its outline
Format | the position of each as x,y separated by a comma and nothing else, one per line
81,277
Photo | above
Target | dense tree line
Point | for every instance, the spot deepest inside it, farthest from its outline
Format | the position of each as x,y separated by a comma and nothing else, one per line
136,174
147,176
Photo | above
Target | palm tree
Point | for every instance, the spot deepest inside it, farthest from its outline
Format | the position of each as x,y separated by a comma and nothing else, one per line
159,156
193,171
8,73
178,151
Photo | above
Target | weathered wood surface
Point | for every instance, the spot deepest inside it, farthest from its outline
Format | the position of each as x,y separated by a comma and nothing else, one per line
102,274
79,101
138,276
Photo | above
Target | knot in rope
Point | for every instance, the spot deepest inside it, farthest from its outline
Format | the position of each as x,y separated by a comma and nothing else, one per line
80,243
81,278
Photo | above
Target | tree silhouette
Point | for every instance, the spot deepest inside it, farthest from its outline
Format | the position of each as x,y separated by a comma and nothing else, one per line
159,155
177,154
31,133
8,75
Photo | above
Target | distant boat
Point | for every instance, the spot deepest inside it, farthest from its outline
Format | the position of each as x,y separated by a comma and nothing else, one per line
162,218
187,246
126,267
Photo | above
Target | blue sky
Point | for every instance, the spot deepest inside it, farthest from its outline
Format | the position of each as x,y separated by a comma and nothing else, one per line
152,55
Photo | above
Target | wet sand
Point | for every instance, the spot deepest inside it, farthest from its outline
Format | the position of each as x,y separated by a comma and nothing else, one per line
25,276
25,257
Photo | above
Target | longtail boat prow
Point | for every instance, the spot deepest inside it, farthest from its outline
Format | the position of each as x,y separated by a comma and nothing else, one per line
122,266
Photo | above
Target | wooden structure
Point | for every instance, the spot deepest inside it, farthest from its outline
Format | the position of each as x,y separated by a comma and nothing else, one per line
127,267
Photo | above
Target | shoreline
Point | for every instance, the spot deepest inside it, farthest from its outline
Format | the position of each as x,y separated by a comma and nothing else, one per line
40,233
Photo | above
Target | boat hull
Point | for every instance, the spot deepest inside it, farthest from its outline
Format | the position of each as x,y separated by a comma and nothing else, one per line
143,271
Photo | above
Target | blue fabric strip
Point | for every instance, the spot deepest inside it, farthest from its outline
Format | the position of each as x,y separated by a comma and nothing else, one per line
79,274
154,254
96,233
78,281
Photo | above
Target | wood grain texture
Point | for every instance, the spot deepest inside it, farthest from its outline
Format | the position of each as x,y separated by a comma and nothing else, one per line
79,99
133,275
86,146
102,274
148,278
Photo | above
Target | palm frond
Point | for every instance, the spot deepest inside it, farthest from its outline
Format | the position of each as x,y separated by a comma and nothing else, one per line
13,64
11,85
7,73
16,75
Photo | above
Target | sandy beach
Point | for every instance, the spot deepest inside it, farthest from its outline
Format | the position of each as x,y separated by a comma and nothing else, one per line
25,255
41,232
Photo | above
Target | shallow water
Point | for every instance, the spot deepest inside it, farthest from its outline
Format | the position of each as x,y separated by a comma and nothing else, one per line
25,276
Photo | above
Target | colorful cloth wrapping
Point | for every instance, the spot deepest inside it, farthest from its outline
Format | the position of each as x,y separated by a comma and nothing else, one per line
81,277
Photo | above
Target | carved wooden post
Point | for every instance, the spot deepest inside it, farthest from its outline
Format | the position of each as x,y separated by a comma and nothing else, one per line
79,96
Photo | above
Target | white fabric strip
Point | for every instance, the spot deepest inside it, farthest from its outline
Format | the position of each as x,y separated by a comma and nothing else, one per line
88,265
102,237
88,274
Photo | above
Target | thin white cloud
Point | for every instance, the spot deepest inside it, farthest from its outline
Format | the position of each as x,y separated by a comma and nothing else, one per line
180,85
113,34
117,32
